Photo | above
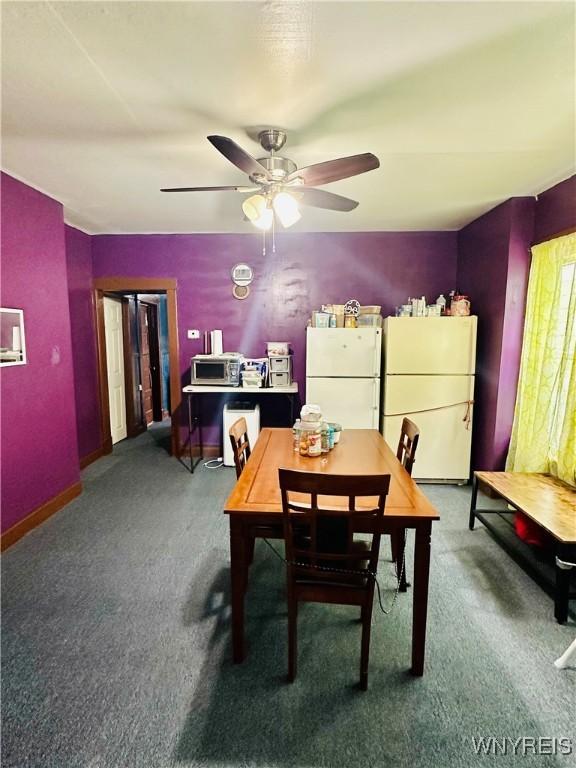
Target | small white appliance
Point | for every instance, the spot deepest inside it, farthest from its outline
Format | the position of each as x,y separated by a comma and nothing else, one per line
220,370
429,367
343,374
231,413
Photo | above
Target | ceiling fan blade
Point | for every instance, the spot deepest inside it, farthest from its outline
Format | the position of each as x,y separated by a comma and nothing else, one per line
333,170
210,189
237,155
319,198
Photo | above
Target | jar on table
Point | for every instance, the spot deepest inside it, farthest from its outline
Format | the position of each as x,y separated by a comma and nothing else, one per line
330,436
325,439
310,443
337,429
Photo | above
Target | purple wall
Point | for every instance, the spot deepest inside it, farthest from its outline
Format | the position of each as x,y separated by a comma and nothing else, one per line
482,273
39,448
306,271
493,267
519,256
555,210
79,267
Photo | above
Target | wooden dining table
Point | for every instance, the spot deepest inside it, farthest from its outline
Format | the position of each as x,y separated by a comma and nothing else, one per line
255,510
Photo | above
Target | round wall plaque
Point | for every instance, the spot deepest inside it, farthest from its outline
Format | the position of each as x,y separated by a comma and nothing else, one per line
240,291
242,274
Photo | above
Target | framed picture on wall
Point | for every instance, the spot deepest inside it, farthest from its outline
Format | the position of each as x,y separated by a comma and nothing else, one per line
12,341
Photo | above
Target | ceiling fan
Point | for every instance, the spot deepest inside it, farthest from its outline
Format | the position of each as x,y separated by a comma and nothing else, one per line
279,185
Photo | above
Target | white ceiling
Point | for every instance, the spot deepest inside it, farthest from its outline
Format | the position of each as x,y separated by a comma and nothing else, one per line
465,104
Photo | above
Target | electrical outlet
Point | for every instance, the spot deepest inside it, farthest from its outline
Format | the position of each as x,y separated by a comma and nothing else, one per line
194,334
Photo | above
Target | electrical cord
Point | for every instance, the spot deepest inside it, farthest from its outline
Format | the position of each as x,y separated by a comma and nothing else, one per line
355,572
211,465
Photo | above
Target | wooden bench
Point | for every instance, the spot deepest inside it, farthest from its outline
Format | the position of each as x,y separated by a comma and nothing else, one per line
548,502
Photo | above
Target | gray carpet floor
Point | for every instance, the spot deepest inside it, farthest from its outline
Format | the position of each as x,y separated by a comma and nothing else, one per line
116,643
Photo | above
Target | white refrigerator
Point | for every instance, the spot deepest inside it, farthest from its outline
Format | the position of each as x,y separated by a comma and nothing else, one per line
343,374
429,366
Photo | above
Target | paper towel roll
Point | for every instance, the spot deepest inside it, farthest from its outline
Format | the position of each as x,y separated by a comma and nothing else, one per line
217,347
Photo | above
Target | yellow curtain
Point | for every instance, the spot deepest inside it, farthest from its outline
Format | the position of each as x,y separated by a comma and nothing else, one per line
544,431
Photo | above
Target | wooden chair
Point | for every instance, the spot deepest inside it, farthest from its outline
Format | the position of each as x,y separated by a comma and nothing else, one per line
321,551
240,441
406,455
238,433
407,445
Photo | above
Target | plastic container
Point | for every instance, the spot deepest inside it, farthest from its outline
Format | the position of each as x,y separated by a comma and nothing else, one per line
337,430
280,379
338,311
311,412
460,306
280,363
277,348
252,380
369,321
371,309
321,320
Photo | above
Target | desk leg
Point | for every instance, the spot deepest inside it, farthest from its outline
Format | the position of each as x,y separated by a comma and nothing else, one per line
562,591
190,427
473,503
420,595
238,584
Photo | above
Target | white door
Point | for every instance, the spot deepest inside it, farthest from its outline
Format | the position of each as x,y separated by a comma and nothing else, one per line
443,451
343,351
115,366
435,345
353,403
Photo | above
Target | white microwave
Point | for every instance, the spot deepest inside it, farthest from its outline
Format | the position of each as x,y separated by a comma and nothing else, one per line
216,370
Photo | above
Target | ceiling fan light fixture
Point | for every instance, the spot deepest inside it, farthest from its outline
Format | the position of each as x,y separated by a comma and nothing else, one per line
253,206
286,208
264,221
257,210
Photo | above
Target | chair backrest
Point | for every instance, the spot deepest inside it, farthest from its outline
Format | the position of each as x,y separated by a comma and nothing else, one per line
238,433
322,535
406,453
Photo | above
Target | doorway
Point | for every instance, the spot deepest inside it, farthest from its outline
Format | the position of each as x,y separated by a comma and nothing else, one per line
113,327
150,356
149,309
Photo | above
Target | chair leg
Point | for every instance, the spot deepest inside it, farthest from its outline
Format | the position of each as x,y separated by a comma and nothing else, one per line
292,637
365,648
400,536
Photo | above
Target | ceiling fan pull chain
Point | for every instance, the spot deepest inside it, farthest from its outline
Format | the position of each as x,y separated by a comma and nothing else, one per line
274,233
263,242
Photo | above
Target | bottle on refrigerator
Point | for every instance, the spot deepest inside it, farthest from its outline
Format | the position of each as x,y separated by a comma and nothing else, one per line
441,302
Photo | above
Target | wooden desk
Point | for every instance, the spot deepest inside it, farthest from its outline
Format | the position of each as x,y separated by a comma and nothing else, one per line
191,392
548,502
255,509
